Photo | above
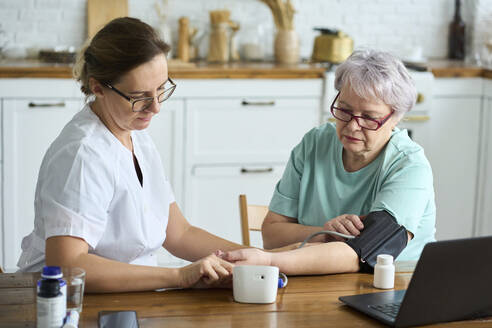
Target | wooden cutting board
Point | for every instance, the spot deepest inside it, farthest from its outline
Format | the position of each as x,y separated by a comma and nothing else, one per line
100,12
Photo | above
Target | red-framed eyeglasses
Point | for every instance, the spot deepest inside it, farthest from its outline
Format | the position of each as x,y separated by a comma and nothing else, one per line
368,123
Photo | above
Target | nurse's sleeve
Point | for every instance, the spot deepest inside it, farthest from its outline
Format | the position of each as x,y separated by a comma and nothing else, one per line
76,194
285,199
406,193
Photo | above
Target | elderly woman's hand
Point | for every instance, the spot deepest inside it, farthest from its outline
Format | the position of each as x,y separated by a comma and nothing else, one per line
250,256
348,224
211,271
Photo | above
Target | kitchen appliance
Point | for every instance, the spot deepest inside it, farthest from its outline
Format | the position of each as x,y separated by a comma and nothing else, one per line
332,46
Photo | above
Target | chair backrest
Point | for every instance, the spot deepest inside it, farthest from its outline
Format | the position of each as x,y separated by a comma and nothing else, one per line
252,217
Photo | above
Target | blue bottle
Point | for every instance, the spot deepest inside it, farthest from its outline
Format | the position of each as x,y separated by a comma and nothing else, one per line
54,272
50,307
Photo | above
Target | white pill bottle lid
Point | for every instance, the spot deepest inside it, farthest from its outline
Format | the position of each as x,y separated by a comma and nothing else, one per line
384,259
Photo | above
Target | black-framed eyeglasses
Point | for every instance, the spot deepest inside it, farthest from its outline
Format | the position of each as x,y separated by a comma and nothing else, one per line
368,123
141,104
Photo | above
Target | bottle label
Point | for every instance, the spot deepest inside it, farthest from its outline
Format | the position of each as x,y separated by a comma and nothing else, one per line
50,311
63,289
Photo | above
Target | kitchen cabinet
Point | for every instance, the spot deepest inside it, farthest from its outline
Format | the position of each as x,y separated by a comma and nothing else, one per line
213,194
454,154
29,127
483,225
240,144
217,139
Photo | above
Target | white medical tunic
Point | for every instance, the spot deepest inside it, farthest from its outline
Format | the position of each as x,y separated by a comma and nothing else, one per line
88,188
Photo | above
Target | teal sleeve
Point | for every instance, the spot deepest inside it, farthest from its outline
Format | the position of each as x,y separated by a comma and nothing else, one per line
285,200
406,194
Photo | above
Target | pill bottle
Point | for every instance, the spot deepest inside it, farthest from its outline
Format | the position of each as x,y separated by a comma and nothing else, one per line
51,308
384,272
54,272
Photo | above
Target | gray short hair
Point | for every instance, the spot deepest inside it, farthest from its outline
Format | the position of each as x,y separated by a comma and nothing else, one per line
377,74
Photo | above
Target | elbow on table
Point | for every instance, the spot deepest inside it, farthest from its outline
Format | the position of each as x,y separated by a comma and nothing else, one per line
268,235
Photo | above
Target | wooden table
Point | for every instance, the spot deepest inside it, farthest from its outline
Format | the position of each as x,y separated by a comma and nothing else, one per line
305,302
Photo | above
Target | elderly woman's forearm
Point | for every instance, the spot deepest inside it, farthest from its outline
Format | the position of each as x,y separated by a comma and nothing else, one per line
280,234
326,258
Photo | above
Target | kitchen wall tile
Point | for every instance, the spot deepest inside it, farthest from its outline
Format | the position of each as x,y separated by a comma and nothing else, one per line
16,4
9,16
37,40
43,15
49,4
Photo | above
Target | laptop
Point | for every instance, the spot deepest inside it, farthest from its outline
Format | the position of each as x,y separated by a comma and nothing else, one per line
452,281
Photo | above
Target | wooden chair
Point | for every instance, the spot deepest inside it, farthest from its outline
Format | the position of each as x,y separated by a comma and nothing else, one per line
252,217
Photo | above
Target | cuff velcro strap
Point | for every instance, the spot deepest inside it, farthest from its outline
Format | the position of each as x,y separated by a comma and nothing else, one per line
381,235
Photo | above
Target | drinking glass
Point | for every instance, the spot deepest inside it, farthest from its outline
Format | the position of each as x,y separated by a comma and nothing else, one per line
75,278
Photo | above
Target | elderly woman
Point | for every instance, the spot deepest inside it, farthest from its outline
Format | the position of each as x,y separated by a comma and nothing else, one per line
362,177
102,201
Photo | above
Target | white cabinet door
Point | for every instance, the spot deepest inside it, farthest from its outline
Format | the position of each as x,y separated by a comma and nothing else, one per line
214,196
454,140
239,145
29,127
484,204
248,130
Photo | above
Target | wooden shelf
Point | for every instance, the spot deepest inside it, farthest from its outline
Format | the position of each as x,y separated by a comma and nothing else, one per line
203,70
36,69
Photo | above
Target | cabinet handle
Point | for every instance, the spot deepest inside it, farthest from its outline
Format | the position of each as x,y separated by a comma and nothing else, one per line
332,120
258,103
60,104
417,118
265,170
420,98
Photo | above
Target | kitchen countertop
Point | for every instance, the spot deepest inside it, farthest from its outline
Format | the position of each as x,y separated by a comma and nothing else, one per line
457,68
37,69
202,70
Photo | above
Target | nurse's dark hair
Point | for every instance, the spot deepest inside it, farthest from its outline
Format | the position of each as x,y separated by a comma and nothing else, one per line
120,46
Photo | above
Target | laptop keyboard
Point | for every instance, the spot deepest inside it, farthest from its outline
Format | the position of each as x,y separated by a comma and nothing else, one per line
390,309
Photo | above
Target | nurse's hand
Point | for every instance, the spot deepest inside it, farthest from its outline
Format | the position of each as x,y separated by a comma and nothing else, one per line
250,256
211,271
348,224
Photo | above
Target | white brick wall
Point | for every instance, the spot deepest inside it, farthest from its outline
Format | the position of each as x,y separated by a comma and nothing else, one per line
395,25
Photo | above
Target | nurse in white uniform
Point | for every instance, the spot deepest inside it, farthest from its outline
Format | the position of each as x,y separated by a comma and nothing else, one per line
102,201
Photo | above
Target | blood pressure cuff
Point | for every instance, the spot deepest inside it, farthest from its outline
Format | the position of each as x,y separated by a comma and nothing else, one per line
381,235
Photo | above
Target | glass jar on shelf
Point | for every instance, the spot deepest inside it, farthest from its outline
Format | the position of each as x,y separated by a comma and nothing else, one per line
252,42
